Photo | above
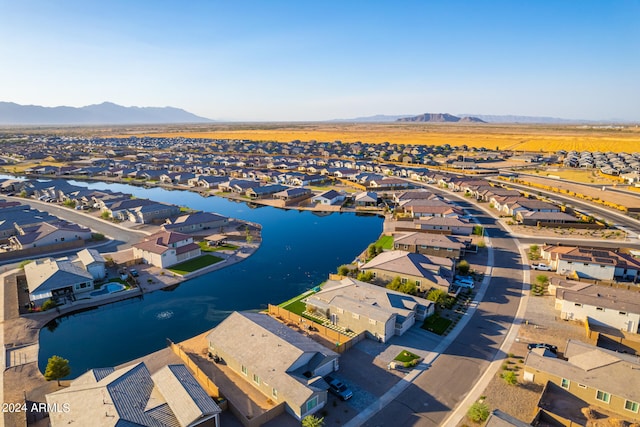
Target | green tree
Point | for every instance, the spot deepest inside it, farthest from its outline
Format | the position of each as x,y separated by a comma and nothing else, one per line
438,296
372,251
463,267
312,421
409,287
510,377
105,215
69,203
395,284
365,276
542,279
57,368
478,412
343,270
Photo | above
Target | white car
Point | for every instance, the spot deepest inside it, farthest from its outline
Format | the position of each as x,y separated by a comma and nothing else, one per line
541,266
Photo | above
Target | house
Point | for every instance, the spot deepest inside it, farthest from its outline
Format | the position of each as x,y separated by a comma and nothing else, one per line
331,197
293,194
48,233
444,225
598,264
599,377
132,396
282,364
93,262
265,191
166,248
363,307
427,271
153,212
605,306
545,218
440,245
53,279
198,221
366,199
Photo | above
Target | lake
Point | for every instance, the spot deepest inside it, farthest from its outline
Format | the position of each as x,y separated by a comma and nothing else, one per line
298,251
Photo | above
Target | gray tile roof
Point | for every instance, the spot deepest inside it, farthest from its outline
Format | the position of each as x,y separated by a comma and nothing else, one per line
89,256
270,349
615,373
130,396
48,274
402,262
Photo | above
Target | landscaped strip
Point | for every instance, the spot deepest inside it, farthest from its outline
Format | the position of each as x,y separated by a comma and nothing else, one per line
436,324
195,264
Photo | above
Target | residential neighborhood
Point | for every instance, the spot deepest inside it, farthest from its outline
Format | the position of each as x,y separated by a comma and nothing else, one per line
449,244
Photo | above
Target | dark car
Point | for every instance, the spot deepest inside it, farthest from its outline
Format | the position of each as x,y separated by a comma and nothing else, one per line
552,348
338,388
133,272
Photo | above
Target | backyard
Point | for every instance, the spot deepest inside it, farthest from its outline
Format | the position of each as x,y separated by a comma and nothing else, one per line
195,264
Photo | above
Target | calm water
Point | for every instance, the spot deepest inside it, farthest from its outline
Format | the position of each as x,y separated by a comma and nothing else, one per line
298,251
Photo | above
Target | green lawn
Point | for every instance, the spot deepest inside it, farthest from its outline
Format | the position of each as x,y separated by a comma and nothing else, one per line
406,356
385,242
296,305
194,264
204,247
436,324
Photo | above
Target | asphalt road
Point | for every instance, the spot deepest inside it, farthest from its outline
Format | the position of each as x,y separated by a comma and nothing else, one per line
121,238
611,215
430,398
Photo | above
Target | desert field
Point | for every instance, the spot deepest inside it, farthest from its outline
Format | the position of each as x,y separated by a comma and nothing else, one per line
501,137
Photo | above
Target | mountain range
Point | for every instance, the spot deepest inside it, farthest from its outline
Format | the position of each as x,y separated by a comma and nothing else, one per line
97,114
440,118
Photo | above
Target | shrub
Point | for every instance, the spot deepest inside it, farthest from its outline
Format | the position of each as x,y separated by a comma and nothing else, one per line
510,378
97,236
49,304
478,412
463,267
23,263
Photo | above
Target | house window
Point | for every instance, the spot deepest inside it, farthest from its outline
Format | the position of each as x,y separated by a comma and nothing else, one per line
256,379
274,393
418,283
586,264
312,403
624,313
599,308
582,386
565,383
603,396
577,304
244,370
435,248
403,280
630,405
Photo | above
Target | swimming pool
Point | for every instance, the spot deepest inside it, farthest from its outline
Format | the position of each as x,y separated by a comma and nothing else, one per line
108,288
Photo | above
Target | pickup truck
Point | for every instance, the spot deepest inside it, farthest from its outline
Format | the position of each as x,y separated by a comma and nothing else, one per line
540,266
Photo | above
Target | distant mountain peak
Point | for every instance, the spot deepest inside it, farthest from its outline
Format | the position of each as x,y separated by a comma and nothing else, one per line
440,118
105,113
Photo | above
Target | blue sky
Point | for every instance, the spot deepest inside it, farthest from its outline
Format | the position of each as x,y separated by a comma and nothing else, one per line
304,60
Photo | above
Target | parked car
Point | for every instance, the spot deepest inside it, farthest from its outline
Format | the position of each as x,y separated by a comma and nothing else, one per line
463,284
465,279
338,388
133,272
552,348
540,266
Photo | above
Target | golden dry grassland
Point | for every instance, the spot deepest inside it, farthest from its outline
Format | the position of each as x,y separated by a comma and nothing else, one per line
502,137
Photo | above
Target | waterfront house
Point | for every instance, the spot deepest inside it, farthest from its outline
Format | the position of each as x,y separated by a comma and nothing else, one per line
166,248
93,262
427,271
54,279
604,306
132,396
601,378
198,221
153,212
366,199
363,307
444,225
440,245
284,365
331,197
